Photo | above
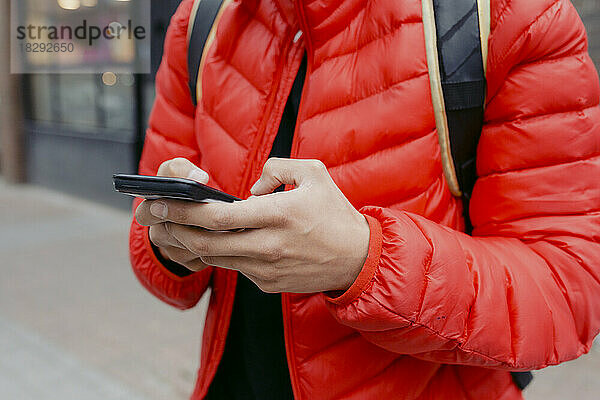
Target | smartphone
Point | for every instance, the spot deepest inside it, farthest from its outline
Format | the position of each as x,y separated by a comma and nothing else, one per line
156,187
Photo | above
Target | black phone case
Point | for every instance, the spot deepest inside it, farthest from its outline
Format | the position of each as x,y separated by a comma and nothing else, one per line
156,187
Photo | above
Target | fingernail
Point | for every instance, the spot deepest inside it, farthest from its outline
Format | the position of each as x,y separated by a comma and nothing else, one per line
159,210
198,175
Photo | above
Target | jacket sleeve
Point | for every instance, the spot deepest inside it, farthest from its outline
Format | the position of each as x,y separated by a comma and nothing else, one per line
524,291
170,135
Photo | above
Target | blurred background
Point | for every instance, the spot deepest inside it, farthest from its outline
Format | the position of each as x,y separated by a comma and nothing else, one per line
74,322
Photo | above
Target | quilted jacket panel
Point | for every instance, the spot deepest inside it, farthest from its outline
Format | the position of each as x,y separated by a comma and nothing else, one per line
435,313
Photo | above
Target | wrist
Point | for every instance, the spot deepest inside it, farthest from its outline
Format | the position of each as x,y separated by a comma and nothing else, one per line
367,268
360,249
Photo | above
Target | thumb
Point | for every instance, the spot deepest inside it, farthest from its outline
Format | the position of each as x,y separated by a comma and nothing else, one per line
182,168
283,171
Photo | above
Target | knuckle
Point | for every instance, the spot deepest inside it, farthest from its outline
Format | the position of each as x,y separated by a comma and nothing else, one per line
179,214
155,236
280,216
222,219
172,167
267,274
178,164
271,280
163,169
273,252
200,246
317,165
270,166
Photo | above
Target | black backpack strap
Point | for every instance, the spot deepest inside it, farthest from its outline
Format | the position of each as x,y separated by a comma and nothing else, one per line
456,34
455,57
201,31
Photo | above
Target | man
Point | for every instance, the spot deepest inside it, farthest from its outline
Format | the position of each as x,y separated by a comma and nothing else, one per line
371,289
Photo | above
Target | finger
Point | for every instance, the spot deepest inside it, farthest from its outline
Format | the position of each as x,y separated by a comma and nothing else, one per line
257,212
185,258
283,171
217,244
144,217
180,256
183,168
264,281
160,237
266,276
177,167
196,265
246,265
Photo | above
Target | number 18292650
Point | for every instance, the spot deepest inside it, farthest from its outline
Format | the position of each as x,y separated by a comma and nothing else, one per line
48,47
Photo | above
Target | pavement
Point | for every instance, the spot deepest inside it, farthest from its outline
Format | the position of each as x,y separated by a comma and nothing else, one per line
74,321
76,324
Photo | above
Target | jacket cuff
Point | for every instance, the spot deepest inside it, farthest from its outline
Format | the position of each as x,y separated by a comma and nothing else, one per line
368,270
163,267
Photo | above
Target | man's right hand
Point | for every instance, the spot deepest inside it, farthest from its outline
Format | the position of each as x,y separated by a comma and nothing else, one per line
168,246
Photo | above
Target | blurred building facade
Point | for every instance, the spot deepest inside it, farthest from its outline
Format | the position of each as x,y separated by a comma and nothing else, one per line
74,131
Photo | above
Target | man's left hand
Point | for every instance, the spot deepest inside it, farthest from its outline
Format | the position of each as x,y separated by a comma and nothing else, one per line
309,239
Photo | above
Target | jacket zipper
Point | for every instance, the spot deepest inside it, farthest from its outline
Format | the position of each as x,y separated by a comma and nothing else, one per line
255,157
231,279
296,51
285,297
309,63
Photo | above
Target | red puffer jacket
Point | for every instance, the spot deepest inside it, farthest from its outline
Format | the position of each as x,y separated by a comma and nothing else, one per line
434,313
